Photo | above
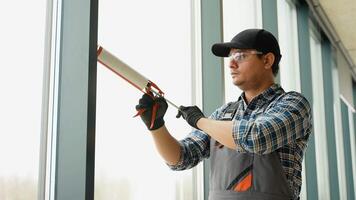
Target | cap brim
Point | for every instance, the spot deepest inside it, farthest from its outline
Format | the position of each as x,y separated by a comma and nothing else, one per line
223,49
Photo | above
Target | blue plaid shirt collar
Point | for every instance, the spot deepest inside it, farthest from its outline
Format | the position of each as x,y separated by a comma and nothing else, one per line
266,96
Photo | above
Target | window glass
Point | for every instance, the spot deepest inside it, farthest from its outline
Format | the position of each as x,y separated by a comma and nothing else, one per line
154,38
22,50
288,41
319,116
238,15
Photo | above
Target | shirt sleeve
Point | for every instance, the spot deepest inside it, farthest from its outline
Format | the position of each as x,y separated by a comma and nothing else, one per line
195,147
284,123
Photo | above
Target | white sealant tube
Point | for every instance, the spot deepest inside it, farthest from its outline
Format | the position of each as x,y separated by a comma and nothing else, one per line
129,74
122,69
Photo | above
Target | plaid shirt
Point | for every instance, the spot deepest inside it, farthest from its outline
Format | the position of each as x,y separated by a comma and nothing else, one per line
272,121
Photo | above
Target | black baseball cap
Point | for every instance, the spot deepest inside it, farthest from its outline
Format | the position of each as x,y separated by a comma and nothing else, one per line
258,39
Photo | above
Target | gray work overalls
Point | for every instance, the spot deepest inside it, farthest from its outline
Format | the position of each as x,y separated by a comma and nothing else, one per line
245,176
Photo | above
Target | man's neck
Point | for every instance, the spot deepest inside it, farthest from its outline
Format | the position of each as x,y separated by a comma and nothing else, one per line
252,93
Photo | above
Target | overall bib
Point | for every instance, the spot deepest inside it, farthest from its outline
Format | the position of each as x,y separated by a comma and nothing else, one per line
245,176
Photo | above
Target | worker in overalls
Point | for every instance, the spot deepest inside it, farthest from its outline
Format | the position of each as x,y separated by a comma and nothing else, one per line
255,144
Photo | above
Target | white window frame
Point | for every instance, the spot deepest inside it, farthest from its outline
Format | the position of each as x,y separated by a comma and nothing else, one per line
197,91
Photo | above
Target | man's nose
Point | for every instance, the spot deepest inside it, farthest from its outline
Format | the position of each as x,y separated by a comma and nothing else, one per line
233,64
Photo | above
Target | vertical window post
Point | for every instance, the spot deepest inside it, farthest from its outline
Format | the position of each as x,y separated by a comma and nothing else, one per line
212,67
72,102
306,89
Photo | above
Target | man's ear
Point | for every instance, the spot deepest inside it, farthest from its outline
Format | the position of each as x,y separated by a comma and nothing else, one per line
268,60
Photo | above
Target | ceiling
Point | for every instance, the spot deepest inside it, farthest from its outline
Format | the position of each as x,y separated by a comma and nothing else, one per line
341,15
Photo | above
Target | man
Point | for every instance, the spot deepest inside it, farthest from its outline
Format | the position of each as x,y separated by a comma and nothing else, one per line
256,144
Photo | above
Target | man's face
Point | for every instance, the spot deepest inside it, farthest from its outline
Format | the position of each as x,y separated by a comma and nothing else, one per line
246,68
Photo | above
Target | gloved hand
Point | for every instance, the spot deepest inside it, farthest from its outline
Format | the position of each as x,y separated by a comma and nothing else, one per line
146,107
191,114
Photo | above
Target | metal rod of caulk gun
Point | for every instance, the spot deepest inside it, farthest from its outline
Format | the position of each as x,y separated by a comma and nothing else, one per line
174,105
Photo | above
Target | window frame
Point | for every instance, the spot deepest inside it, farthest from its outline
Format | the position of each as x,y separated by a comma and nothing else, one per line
67,148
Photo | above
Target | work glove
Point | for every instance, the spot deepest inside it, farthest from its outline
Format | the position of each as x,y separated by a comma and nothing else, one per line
152,111
191,114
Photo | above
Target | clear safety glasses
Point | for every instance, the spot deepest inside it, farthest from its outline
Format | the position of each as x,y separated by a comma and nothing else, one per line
239,56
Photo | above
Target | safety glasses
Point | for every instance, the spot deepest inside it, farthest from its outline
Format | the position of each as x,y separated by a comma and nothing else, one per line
240,57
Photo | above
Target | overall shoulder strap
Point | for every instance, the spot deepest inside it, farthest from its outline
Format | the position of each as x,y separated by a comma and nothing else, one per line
230,111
